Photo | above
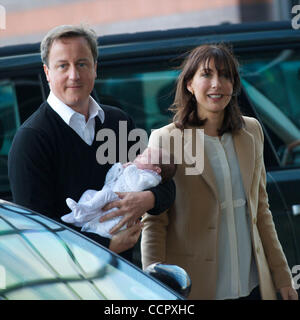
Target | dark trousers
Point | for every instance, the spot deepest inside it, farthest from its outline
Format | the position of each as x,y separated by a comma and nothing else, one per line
254,295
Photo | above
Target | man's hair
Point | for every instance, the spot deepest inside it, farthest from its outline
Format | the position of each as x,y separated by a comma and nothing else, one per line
68,31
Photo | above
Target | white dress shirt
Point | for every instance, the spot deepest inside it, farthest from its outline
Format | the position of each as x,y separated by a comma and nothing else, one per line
76,120
237,272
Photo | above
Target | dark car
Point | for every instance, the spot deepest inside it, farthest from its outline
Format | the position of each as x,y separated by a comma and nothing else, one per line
137,72
43,259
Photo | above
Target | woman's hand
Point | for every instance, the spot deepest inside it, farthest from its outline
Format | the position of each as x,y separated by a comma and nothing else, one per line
288,293
132,206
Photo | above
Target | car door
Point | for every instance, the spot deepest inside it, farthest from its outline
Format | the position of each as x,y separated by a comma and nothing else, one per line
271,80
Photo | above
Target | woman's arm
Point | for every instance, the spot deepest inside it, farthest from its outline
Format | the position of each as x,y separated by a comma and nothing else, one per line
153,243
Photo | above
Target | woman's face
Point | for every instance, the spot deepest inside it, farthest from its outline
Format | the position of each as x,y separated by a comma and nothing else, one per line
211,88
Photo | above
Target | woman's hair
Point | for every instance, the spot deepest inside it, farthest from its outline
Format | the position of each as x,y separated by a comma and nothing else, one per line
185,104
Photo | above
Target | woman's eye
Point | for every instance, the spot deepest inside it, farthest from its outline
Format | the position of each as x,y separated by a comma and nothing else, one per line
225,75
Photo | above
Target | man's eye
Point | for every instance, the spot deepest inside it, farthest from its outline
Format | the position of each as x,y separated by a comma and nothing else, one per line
82,64
62,66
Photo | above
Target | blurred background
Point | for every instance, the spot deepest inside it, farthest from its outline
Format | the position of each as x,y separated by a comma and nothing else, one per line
27,21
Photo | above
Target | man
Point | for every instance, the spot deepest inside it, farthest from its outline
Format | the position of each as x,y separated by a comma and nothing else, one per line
56,147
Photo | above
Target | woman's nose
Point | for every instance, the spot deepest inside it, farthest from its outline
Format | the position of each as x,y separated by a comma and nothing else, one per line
215,82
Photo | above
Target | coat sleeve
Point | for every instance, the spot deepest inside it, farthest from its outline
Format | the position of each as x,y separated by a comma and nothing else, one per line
153,242
276,259
165,192
164,195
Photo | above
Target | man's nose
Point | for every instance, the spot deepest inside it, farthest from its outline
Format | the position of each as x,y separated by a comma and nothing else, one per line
74,73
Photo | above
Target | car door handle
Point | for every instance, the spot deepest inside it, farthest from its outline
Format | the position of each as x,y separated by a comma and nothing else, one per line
296,209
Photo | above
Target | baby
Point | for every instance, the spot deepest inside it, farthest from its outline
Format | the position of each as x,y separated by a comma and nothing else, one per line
146,171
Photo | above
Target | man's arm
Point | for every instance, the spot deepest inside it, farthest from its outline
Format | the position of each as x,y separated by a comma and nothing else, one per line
30,172
164,195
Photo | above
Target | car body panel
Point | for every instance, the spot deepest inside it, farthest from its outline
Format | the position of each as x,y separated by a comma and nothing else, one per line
44,259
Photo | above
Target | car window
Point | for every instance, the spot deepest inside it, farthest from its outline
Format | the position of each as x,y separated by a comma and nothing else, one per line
30,245
272,82
146,94
270,79
9,122
19,98
29,95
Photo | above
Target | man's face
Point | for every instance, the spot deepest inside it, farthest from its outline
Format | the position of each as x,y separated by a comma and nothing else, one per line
71,72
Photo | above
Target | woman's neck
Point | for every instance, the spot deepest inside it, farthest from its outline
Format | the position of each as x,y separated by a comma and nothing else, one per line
213,124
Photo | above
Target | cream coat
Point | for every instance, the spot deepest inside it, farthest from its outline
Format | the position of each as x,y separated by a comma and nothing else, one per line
187,233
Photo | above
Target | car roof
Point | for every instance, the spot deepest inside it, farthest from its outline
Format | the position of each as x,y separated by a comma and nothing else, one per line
258,28
163,44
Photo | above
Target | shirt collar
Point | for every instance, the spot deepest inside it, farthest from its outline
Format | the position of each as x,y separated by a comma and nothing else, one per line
66,113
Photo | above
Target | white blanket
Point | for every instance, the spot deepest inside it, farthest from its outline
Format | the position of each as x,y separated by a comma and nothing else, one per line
88,210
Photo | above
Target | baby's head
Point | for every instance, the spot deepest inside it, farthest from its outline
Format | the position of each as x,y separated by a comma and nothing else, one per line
158,160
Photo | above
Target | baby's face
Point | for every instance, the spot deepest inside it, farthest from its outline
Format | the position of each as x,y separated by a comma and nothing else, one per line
143,161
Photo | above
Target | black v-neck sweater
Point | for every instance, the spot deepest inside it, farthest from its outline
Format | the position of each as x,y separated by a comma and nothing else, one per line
48,162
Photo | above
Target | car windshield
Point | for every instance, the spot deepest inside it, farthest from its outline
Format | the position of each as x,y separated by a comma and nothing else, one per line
42,259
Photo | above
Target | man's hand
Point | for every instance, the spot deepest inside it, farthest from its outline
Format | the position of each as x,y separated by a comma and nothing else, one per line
132,206
125,239
288,293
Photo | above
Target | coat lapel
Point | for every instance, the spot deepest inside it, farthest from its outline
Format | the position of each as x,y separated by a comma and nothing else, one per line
206,171
209,177
245,151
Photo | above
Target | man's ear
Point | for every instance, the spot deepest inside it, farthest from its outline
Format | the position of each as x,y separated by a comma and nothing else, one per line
158,170
46,70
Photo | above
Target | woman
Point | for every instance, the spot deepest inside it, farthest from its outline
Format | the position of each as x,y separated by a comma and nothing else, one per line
220,228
